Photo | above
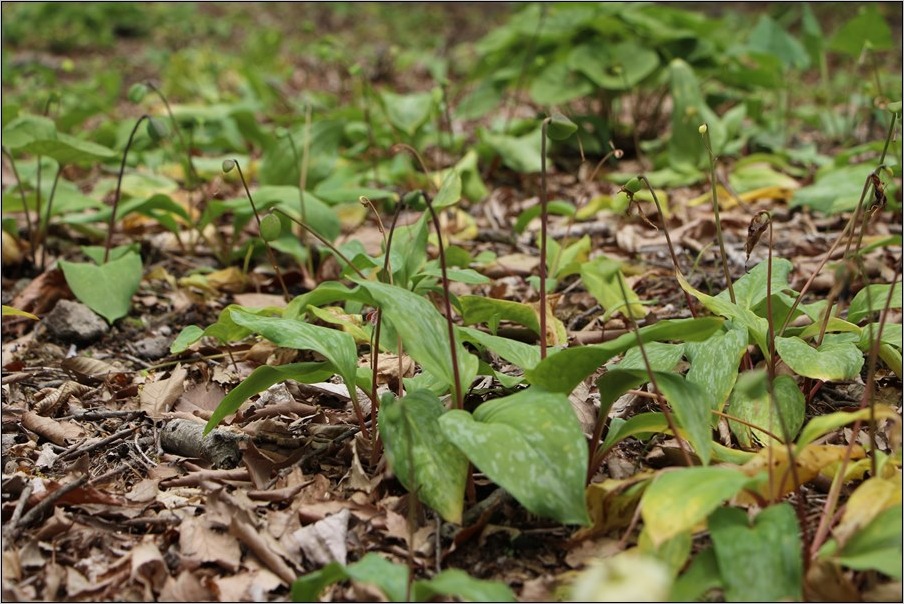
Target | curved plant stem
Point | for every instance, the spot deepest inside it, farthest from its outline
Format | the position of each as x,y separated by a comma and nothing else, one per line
459,395
668,239
42,228
270,254
420,160
20,185
122,169
192,173
320,238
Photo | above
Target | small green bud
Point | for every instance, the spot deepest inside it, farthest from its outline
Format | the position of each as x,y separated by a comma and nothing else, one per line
157,129
894,107
633,186
271,227
702,129
228,165
137,92
560,127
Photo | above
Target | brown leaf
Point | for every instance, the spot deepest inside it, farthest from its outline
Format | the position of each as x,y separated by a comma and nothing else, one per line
325,540
157,397
201,544
58,432
148,566
88,370
184,588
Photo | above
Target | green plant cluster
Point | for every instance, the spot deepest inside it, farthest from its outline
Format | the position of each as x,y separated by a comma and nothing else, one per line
320,158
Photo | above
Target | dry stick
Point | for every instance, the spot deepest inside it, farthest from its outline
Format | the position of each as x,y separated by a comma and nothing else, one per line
646,361
10,527
459,395
270,254
48,502
712,185
122,169
668,240
79,449
544,218
12,163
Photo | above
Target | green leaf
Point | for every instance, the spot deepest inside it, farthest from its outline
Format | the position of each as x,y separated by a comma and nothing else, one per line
408,112
188,336
868,27
560,127
558,84
389,577
423,460
750,289
67,149
450,192
26,129
424,332
686,150
457,583
877,546
836,190
562,371
601,277
520,153
337,347
823,424
618,66
677,500
479,309
262,378
750,402
9,311
530,444
640,425
872,299
830,362
106,289
768,37
700,577
523,355
746,554
714,365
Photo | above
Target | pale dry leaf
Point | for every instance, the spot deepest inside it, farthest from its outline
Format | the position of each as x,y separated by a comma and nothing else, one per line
158,397
325,541
58,432
200,544
148,566
184,588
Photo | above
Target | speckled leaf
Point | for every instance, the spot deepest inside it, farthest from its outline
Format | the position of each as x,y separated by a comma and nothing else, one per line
678,500
831,361
564,370
530,444
872,298
714,365
423,331
423,460
750,289
750,402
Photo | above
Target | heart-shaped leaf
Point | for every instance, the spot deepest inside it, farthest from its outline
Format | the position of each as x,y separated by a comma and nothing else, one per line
831,361
530,444
106,289
423,460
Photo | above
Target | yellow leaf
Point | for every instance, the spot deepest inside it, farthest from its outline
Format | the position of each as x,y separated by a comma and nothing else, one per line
773,466
872,497
612,503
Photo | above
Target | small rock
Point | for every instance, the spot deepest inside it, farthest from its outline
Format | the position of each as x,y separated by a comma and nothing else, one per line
74,322
153,347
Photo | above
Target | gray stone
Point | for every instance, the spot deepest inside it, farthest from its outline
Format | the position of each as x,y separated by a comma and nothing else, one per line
73,322
153,347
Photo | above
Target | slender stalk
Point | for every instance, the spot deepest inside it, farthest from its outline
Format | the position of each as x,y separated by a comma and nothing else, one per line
420,160
544,219
704,130
320,238
42,229
122,169
270,254
459,395
21,186
192,173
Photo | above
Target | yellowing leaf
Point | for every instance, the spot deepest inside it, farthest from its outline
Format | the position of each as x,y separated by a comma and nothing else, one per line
772,465
612,503
868,501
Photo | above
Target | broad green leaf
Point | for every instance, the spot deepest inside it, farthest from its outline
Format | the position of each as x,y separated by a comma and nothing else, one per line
618,66
423,460
424,332
872,298
337,317
867,28
564,370
457,583
750,289
520,153
678,500
700,577
751,402
26,129
67,149
686,150
835,190
530,444
747,554
408,112
756,326
601,277
262,378
450,192
280,163
560,127
188,336
523,355
479,309
641,424
830,362
327,292
106,289
660,355
555,207
876,547
557,84
768,37
714,365
337,347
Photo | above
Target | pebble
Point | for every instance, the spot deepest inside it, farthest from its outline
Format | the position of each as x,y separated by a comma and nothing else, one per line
73,322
